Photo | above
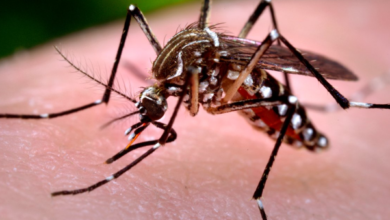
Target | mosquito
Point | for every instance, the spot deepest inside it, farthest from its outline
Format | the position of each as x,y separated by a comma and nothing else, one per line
223,73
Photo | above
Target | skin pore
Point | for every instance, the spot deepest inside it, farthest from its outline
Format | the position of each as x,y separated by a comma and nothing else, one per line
214,166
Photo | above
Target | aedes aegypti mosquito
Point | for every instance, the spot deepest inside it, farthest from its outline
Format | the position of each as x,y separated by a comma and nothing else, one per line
223,73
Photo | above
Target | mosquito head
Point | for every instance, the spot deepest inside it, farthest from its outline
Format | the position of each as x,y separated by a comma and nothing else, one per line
152,104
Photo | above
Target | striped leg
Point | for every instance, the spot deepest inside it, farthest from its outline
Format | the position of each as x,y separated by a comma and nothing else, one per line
252,20
340,99
291,102
204,14
139,17
168,135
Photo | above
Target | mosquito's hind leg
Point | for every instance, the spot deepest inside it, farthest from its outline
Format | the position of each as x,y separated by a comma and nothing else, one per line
255,15
139,17
340,99
374,85
291,101
252,20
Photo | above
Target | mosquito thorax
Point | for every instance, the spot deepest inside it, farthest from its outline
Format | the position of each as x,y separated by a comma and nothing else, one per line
190,47
152,104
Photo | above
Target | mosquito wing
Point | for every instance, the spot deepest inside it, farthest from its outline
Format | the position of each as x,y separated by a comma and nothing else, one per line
281,59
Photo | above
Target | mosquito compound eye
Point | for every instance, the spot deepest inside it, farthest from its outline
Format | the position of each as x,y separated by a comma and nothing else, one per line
152,103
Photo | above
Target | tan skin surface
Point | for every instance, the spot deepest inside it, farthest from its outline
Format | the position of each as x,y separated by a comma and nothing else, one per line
212,169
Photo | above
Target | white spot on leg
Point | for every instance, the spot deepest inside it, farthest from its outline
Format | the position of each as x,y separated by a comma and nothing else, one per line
274,34
157,145
98,102
360,104
110,178
128,131
44,115
131,137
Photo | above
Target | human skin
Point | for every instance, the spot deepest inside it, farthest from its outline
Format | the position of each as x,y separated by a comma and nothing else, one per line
212,169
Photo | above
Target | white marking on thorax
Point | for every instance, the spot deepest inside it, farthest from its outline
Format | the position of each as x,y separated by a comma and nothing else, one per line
179,70
266,91
203,86
207,97
214,36
213,80
197,54
232,75
248,81
195,42
173,89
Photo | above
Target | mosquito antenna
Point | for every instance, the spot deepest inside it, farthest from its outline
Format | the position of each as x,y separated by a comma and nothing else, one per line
93,78
117,119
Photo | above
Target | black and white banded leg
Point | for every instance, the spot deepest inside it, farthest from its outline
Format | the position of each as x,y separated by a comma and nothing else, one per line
291,102
274,35
252,20
133,11
167,136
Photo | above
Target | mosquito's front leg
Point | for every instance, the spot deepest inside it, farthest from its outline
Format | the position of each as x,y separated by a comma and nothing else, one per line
139,17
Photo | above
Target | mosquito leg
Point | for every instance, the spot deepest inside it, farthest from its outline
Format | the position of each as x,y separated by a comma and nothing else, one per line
108,179
291,101
252,20
132,11
52,115
260,187
266,43
245,104
141,20
161,142
340,99
255,15
164,137
204,14
123,152
374,85
194,94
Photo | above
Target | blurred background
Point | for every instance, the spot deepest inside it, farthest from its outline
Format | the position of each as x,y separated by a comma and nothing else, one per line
24,24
